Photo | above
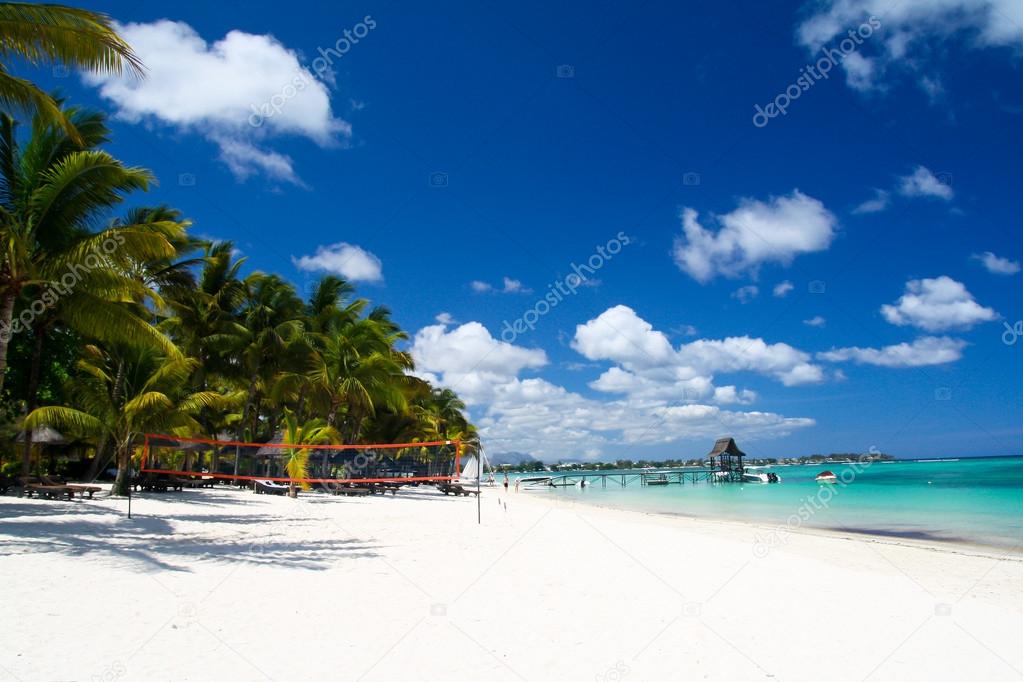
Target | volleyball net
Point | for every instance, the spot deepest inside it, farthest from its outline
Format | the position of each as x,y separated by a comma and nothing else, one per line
235,461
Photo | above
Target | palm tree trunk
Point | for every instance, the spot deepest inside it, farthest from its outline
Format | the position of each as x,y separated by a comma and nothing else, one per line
101,459
245,418
6,317
123,480
32,397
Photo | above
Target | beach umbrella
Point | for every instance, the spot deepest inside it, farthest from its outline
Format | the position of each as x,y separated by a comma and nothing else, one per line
44,435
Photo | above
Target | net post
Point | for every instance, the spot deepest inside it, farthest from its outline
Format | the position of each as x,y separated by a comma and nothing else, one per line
458,458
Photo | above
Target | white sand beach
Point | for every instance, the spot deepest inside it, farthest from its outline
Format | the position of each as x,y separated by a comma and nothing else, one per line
221,584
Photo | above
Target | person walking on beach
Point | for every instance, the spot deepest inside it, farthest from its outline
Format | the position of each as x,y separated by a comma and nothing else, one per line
506,482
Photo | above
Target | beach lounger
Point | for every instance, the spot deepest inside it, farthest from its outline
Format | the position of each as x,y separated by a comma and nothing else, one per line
270,488
32,486
351,491
158,483
454,488
82,490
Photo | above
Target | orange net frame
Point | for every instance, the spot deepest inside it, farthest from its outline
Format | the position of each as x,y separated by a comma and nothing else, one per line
230,460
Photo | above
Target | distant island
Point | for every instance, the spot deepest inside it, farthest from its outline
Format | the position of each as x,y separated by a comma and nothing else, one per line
525,465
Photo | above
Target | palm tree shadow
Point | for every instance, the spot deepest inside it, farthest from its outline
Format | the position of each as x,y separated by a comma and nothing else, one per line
152,543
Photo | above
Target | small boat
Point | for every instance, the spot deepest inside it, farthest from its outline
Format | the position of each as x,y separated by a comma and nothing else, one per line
826,477
534,483
760,477
659,479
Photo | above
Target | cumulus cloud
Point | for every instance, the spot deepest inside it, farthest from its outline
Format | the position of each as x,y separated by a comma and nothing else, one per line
927,350
535,415
469,357
937,305
923,183
909,33
878,203
347,260
782,289
815,321
746,294
757,232
997,265
781,361
238,92
445,318
648,364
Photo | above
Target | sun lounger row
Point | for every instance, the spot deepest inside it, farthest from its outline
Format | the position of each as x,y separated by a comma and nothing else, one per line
53,487
162,483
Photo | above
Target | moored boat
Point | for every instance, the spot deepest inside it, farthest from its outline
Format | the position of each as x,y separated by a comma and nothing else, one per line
826,477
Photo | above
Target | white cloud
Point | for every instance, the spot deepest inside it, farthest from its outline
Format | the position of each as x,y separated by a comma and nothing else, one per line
936,305
877,204
445,318
781,361
480,287
620,335
347,260
782,289
217,90
923,183
746,294
911,32
471,358
757,232
997,265
547,420
927,350
508,286
815,321
729,395
514,286
649,364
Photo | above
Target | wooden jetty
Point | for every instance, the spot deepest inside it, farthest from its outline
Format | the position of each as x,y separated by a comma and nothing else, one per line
725,460
626,478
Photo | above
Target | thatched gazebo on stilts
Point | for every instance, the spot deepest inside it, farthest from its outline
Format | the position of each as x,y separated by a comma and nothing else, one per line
726,458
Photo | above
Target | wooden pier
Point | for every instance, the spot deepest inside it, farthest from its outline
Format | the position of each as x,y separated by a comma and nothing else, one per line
625,479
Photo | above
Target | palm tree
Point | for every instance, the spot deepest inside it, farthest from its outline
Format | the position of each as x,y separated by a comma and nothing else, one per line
51,195
311,432
42,34
151,394
356,369
205,320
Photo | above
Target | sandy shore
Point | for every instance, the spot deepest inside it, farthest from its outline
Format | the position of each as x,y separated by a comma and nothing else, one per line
225,585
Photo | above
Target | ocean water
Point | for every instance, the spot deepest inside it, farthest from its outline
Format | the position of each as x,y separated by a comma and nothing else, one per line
972,500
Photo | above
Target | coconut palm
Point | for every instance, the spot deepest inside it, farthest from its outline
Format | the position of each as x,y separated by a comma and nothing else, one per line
310,432
51,197
52,34
150,394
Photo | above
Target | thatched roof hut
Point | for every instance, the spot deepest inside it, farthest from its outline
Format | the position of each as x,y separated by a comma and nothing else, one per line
728,456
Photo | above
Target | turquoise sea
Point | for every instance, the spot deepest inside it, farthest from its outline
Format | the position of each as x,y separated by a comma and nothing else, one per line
972,500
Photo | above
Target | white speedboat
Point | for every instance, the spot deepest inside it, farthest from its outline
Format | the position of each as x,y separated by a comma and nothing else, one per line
760,477
534,483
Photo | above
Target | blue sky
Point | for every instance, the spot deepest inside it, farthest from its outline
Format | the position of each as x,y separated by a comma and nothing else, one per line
814,281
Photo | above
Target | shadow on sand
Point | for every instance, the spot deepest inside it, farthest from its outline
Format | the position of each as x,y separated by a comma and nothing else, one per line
149,541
